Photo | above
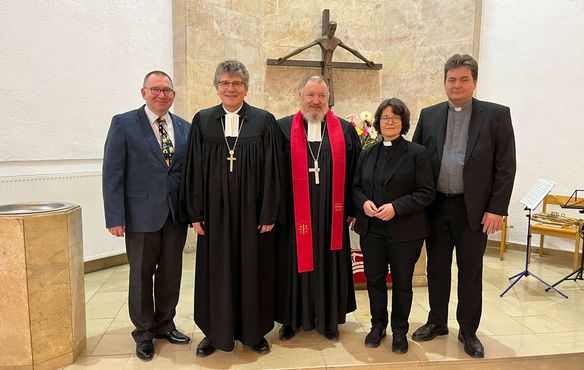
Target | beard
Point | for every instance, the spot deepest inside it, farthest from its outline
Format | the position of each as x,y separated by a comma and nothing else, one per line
313,116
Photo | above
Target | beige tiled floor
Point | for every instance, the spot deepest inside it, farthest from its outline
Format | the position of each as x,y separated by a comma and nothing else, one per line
528,327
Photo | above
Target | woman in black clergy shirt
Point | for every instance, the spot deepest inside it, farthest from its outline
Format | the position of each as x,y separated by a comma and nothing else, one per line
393,185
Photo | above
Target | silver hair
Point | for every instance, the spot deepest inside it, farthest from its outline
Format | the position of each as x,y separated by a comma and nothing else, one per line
234,67
315,78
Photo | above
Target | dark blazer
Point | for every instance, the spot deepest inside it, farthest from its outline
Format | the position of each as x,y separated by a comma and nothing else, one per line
139,189
409,187
489,165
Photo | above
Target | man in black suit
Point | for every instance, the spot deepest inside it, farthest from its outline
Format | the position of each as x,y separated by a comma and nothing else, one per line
142,167
472,150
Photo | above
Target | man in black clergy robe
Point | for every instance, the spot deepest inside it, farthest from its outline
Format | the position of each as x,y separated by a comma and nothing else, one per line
315,288
231,192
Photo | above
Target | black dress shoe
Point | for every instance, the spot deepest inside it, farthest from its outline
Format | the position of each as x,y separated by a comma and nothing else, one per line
286,332
262,347
145,350
205,348
472,345
373,339
429,331
331,334
174,337
399,343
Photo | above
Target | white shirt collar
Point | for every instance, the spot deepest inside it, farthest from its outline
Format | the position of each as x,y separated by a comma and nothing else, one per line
152,117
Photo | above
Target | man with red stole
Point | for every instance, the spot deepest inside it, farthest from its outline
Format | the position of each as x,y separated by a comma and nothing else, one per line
314,275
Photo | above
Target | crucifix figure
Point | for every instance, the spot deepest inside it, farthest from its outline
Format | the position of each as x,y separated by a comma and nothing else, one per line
328,43
315,170
231,158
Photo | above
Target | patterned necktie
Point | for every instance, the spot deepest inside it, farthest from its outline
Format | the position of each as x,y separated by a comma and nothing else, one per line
167,148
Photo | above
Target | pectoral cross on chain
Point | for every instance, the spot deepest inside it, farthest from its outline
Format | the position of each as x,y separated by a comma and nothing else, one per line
315,170
232,158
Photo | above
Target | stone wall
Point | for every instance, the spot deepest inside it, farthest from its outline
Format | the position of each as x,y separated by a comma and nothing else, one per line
412,39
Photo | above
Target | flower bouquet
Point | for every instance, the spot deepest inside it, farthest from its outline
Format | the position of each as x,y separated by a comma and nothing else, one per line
363,123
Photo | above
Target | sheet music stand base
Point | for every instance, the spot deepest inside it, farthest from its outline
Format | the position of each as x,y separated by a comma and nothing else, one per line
526,272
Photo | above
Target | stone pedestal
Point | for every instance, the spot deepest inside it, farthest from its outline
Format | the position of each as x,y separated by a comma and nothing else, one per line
42,304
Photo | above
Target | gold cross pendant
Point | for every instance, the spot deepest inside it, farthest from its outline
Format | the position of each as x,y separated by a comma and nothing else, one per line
231,158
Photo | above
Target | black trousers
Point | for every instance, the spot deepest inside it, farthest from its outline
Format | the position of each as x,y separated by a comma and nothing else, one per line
155,260
450,229
380,250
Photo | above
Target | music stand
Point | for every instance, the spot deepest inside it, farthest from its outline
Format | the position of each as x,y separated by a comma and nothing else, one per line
531,201
576,201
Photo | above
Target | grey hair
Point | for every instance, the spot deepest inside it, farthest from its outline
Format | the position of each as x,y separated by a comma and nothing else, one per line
315,78
234,67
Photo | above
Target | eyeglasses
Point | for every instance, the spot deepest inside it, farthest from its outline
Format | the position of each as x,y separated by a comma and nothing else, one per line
235,84
394,119
156,90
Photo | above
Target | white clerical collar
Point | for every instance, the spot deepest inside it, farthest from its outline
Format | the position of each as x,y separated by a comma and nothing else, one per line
465,106
235,111
387,143
314,131
232,121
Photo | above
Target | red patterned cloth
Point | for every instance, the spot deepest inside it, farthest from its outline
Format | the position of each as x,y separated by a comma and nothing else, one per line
358,271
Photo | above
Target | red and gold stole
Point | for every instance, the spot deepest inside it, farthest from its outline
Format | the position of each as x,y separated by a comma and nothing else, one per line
300,187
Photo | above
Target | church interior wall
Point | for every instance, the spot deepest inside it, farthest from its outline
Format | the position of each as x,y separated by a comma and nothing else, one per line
68,68
532,60
72,67
408,37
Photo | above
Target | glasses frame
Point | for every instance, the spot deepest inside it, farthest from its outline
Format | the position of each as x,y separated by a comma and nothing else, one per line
386,119
157,90
235,84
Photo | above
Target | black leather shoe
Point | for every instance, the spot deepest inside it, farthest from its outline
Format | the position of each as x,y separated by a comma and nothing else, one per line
174,337
429,331
373,339
331,334
145,350
399,343
286,332
262,347
472,345
205,348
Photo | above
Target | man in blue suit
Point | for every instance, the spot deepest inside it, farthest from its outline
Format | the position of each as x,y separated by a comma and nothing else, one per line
142,167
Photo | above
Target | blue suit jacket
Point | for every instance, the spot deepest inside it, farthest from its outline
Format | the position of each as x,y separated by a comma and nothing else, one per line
139,189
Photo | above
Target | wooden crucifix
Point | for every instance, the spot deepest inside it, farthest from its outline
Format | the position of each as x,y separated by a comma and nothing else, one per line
328,43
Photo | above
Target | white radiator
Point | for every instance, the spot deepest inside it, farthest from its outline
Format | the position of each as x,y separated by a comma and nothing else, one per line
81,188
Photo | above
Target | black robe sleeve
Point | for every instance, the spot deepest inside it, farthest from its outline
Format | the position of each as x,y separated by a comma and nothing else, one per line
192,193
353,150
272,203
